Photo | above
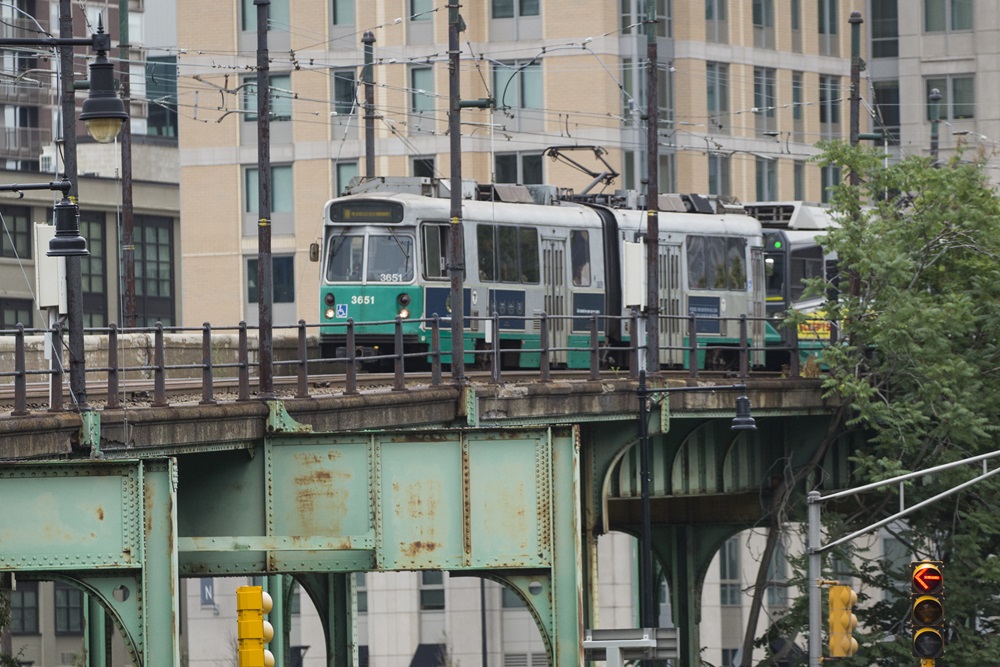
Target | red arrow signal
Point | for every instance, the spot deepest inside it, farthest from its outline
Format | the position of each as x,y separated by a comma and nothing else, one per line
927,578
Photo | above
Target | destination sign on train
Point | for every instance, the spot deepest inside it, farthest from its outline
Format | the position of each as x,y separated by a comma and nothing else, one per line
366,211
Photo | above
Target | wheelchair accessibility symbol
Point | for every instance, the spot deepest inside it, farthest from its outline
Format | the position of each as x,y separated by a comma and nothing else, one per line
341,310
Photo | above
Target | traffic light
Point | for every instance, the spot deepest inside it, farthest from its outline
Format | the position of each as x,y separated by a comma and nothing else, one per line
842,622
927,608
252,603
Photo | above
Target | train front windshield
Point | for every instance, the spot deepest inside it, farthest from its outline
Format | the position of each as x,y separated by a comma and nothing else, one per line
371,258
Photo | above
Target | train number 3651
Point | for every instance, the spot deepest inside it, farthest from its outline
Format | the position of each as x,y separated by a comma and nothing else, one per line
362,300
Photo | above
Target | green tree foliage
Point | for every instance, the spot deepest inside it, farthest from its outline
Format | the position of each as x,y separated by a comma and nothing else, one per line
919,369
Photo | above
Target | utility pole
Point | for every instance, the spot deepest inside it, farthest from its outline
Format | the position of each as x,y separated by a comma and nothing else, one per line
265,275
366,76
652,199
74,270
128,224
456,263
935,100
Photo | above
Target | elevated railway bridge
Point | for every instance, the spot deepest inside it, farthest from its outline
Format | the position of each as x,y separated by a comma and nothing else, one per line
507,477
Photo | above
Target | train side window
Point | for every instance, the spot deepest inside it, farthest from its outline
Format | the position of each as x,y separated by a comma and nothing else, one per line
579,243
736,262
436,244
697,274
529,255
485,248
509,270
715,258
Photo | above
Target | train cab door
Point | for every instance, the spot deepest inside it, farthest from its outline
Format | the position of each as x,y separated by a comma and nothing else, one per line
672,328
758,308
554,277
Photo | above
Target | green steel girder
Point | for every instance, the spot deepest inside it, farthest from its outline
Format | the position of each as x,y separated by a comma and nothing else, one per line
108,528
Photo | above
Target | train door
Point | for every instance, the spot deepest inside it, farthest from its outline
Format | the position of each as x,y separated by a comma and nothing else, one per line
672,328
554,277
758,297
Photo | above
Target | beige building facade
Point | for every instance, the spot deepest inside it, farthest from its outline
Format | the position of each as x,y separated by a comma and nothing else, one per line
745,91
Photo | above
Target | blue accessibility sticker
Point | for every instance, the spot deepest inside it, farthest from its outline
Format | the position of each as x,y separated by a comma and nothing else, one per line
341,310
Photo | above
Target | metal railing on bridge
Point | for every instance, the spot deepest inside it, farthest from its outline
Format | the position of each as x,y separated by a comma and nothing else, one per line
152,361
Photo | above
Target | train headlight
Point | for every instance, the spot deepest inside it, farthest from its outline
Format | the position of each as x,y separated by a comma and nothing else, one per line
404,313
329,313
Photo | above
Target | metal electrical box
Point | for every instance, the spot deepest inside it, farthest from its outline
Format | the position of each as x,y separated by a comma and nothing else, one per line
50,272
634,274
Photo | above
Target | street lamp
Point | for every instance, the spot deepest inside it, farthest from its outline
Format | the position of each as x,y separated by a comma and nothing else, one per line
104,113
742,422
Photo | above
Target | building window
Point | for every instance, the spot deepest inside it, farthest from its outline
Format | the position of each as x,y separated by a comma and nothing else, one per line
518,85
420,10
763,98
277,15
795,20
716,21
15,236
718,174
68,609
885,29
509,9
729,572
281,97
829,44
361,590
24,608
717,91
767,179
423,166
763,24
161,91
431,590
799,178
524,168
729,657
422,94
281,189
154,270
345,85
668,172
93,271
344,173
798,102
947,15
343,12
831,178
958,99
887,108
14,312
634,23
829,107
283,279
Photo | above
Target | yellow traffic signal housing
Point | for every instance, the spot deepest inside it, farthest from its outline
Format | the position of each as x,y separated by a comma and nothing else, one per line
842,622
253,631
927,609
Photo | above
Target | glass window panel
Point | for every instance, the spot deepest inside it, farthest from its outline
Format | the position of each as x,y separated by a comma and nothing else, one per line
24,608
436,240
934,15
281,97
345,172
528,251
346,258
250,189
344,92
277,15
961,14
486,248
15,235
282,194
963,93
507,244
736,262
68,609
420,10
532,168
343,12
505,167
531,86
529,7
390,258
422,89
696,262
503,9
579,243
